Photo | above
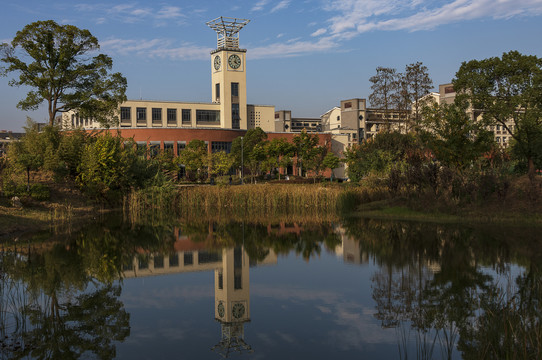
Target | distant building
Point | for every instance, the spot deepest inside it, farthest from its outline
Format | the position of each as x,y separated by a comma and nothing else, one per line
446,95
6,138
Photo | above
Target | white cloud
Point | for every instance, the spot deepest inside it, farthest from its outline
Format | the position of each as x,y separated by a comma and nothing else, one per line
354,17
169,12
281,5
319,32
155,48
130,13
259,5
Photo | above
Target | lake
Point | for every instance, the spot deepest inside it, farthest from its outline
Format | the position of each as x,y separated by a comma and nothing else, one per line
205,289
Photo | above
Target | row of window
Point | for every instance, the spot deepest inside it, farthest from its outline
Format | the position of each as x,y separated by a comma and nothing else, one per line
78,121
204,257
203,117
154,146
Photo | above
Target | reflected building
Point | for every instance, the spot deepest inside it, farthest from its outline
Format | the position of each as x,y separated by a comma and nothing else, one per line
350,249
232,301
231,268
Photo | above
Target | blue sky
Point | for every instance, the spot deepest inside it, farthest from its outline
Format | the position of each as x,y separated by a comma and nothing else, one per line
303,55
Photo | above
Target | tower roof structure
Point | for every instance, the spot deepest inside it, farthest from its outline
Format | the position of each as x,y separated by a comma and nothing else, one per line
227,30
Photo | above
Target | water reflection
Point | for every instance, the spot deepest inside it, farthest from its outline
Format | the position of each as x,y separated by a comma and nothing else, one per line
437,291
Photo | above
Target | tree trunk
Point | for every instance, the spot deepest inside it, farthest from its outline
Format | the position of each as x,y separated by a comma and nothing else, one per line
28,179
531,168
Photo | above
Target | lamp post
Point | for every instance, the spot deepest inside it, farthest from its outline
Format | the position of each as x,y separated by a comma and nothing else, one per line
242,160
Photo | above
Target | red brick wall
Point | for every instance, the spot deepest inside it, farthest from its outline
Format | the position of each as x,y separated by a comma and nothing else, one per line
209,135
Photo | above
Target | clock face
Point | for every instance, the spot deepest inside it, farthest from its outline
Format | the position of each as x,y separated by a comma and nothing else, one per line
221,309
234,61
238,310
217,62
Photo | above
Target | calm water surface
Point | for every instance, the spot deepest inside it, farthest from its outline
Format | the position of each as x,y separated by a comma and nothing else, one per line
205,290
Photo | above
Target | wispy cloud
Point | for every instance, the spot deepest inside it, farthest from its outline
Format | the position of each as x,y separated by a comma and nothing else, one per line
319,32
131,13
281,5
354,17
259,6
156,48
293,47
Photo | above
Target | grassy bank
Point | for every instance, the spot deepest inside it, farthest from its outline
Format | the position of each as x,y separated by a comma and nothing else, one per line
266,202
66,209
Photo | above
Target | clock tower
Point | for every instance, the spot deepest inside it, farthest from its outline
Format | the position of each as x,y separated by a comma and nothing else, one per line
228,73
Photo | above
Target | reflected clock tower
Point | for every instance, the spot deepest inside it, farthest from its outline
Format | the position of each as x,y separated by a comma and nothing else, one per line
232,300
228,72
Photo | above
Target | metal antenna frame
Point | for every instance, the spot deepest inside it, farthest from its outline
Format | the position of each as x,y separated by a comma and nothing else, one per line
227,30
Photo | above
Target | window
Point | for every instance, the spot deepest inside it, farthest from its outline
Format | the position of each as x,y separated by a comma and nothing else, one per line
125,114
172,116
234,89
154,148
181,145
158,261
141,115
168,147
141,148
173,260
156,115
188,258
143,262
186,117
347,105
217,92
217,146
220,281
206,257
208,117
235,117
237,268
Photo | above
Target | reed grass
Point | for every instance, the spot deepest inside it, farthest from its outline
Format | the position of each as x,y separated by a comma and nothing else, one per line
256,200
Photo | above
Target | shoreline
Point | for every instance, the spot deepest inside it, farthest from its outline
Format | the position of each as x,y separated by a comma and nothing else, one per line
63,215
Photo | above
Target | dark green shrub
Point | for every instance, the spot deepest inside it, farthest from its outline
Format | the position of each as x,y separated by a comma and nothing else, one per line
40,192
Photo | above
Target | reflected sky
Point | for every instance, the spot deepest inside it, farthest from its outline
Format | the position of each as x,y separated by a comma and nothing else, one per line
361,289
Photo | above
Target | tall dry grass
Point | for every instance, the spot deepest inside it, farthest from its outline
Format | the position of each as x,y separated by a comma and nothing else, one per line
257,200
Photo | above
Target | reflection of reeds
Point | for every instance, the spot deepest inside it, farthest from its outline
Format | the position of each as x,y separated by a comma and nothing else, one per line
13,302
511,326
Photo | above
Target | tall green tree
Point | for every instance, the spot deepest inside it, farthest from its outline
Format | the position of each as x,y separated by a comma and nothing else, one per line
453,136
105,169
280,153
384,89
195,159
29,152
220,163
331,162
417,84
55,61
249,150
507,89
305,144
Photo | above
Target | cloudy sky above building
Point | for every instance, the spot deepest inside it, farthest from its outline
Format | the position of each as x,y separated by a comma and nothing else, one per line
303,55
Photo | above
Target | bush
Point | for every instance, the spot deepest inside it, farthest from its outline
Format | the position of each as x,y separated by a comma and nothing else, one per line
40,192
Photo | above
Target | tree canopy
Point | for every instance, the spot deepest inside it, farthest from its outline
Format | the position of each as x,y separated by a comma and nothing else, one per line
507,90
55,61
